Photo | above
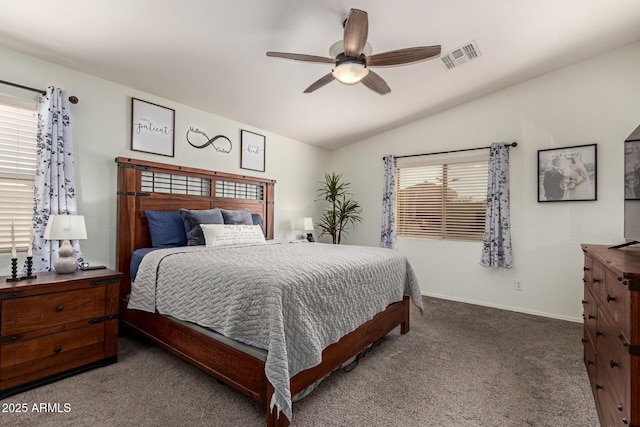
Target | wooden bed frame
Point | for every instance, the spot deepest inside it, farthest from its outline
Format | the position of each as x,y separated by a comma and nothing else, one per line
144,185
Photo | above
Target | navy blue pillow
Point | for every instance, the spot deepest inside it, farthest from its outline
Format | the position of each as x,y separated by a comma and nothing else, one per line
166,228
257,220
237,217
192,221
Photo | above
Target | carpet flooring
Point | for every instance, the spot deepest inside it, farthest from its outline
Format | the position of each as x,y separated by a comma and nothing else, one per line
460,365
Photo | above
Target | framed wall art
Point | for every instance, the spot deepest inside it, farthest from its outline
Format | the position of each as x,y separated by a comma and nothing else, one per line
567,174
252,148
152,128
632,170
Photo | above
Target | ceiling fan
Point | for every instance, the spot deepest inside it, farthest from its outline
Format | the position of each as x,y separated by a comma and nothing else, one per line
352,57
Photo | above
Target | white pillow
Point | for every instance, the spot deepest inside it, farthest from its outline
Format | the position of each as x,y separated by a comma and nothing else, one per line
228,234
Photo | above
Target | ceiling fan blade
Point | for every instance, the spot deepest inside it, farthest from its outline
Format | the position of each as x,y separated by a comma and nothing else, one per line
356,31
376,83
302,57
402,56
320,82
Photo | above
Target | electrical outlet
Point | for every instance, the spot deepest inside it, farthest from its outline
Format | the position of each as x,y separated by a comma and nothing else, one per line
518,285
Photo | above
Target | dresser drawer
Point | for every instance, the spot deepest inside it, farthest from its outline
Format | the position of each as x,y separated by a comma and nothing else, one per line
28,356
598,281
589,358
612,410
614,360
590,313
21,315
616,303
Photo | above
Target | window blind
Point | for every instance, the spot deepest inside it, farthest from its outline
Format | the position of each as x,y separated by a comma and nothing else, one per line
442,200
18,130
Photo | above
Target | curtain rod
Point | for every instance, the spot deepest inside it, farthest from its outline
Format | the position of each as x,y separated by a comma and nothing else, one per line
513,144
72,99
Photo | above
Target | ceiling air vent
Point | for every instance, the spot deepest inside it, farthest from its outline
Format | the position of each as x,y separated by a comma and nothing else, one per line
461,55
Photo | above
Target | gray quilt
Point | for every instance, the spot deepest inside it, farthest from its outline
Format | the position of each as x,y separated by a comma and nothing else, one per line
293,299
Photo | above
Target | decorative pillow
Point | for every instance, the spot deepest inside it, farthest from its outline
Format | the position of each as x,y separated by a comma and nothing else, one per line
241,216
229,234
192,221
257,220
166,229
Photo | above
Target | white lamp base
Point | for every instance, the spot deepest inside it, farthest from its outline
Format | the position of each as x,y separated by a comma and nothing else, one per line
66,262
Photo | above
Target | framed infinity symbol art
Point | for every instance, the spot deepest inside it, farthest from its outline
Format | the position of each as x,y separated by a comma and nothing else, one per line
220,143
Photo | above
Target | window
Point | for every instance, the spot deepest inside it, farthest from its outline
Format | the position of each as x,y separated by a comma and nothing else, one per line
18,129
442,199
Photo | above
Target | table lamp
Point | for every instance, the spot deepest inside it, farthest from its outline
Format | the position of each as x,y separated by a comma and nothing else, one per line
65,228
306,224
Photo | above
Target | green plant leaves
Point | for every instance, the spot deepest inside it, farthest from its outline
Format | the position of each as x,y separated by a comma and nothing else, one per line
343,212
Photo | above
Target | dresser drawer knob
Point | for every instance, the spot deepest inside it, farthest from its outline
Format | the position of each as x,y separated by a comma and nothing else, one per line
585,302
620,408
57,349
625,421
599,387
591,316
586,269
590,362
614,364
584,340
596,280
624,341
610,298
59,308
599,334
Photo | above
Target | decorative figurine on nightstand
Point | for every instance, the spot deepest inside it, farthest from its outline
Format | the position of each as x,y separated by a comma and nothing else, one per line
14,258
29,261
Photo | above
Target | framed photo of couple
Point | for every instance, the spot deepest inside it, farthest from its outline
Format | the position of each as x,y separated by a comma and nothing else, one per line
567,174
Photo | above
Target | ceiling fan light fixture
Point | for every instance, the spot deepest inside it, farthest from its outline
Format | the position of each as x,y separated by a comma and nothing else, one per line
350,72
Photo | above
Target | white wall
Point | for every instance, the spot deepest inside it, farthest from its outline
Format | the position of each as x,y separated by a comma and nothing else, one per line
101,132
595,101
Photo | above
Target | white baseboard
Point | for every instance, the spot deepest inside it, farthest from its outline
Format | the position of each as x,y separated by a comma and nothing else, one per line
502,307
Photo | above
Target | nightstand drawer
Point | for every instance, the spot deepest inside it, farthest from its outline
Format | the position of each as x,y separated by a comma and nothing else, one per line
45,311
28,356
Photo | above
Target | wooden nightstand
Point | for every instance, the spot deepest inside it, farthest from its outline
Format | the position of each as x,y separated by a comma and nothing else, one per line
56,325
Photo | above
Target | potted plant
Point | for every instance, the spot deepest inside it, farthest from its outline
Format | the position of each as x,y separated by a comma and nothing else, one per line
342,212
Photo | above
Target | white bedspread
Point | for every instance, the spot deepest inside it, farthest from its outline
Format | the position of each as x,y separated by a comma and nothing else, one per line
294,299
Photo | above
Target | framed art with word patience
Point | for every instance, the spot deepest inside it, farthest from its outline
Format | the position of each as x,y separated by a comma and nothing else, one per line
152,128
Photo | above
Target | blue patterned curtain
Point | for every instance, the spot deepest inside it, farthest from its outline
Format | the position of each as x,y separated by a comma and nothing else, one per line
388,234
54,192
496,248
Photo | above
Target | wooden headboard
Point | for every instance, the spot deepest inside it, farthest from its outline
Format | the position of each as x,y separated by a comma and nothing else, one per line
146,185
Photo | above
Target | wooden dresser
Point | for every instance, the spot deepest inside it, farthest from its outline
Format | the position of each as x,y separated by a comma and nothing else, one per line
56,325
612,331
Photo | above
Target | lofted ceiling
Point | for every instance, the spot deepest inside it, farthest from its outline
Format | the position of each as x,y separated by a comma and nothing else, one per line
210,54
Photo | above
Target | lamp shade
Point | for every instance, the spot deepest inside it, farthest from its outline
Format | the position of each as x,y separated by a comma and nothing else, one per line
65,227
305,224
